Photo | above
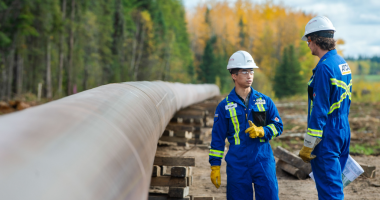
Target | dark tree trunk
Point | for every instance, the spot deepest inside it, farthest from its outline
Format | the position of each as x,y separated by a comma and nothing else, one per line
48,71
61,56
71,50
19,73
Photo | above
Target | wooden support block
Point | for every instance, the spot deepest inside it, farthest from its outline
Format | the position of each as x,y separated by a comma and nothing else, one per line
198,135
179,172
168,181
173,139
199,121
156,171
168,133
174,161
369,170
183,144
183,134
190,172
179,192
179,133
153,196
177,120
180,127
292,159
166,170
188,120
203,198
189,180
190,113
292,170
195,141
183,198
166,143
159,189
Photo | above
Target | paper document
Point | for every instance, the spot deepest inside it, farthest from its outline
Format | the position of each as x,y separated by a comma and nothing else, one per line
351,171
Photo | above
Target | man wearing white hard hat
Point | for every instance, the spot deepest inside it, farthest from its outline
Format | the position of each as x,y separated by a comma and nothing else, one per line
248,119
327,141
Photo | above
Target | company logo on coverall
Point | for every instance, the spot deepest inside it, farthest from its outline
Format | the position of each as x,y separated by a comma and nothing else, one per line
260,101
345,69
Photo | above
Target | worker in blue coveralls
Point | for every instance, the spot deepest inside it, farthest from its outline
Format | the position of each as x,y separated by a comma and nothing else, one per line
327,141
248,119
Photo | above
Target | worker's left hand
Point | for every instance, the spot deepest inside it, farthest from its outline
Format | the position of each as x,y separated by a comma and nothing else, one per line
309,144
254,131
305,154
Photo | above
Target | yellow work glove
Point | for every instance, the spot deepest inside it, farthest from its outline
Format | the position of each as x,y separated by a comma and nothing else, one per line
305,154
215,176
254,131
308,146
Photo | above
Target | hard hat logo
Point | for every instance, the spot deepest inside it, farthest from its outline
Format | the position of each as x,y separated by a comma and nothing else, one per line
241,59
312,22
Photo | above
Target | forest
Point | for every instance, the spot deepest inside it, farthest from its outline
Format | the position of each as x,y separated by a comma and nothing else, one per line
67,46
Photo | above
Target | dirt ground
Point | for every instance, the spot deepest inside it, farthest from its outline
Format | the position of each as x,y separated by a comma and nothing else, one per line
365,148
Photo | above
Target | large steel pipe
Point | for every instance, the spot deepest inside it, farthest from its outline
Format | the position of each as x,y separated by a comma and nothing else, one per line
95,145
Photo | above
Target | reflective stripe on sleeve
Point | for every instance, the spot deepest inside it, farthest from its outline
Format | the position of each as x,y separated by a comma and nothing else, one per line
216,153
314,132
273,128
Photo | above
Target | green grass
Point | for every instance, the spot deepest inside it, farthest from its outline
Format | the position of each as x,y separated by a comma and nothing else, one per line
275,143
361,149
367,78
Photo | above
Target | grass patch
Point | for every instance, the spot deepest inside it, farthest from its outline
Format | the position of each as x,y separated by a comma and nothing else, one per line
361,149
275,143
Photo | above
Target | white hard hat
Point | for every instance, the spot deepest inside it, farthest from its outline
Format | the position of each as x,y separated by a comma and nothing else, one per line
319,23
241,59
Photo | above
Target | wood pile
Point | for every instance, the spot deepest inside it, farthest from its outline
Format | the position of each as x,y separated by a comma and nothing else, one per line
294,165
191,125
13,105
172,176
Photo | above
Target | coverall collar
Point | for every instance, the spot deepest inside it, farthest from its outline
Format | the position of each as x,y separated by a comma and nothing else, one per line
324,57
328,54
233,96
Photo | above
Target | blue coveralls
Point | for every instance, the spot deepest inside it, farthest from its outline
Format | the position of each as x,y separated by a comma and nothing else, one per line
248,160
329,91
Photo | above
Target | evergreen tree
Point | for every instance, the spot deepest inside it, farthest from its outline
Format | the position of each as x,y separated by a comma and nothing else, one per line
207,70
288,80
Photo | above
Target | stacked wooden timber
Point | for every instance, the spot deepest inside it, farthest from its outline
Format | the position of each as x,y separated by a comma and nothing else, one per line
291,163
13,105
191,125
295,166
171,178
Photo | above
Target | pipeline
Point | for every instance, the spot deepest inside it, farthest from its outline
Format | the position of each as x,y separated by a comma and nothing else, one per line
95,145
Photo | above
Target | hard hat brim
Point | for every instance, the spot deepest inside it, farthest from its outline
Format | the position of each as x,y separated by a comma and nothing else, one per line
242,67
304,38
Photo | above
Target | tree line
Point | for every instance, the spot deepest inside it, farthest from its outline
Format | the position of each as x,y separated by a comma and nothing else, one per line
67,46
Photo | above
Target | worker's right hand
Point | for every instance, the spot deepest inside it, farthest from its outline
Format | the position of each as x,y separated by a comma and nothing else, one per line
215,176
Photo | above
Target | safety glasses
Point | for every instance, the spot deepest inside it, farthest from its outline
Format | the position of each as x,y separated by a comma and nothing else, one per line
246,72
308,42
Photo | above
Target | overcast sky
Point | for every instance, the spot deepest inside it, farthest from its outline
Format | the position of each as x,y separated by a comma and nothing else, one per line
357,22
